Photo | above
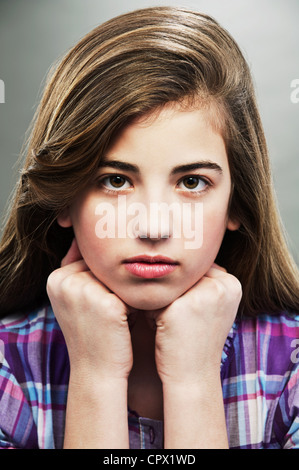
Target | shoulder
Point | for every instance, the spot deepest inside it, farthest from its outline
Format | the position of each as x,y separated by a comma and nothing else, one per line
28,331
29,320
277,322
267,347
277,333
26,336
284,325
273,339
38,326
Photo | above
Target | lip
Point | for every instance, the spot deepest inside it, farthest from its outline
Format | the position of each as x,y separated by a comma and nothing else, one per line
151,259
150,267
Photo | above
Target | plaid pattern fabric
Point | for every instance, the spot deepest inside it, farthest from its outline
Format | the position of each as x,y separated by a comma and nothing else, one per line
260,382
259,372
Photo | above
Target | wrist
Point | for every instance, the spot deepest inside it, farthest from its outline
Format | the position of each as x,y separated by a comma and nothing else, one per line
91,381
97,407
194,415
101,371
198,389
205,378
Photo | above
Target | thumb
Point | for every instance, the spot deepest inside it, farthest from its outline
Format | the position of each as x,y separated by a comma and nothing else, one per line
72,255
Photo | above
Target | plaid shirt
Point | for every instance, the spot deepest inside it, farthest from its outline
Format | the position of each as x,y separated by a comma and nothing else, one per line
259,372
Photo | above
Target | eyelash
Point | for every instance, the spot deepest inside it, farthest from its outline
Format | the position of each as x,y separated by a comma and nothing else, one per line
202,179
101,180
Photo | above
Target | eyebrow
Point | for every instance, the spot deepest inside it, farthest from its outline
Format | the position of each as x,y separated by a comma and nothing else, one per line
119,165
195,166
125,166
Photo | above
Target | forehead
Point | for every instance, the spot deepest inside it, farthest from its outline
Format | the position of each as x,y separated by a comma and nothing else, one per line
171,135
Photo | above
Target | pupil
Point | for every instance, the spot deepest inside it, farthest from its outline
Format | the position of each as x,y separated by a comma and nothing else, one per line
191,182
117,181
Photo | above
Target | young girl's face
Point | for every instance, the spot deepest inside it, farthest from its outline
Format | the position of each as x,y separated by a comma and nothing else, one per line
151,223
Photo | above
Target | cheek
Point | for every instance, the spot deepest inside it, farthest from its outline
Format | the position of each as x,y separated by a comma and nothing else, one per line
84,222
214,227
200,251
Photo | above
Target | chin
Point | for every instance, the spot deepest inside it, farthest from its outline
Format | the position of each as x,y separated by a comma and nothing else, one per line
147,304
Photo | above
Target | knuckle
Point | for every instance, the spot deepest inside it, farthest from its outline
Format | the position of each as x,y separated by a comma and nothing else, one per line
67,288
53,281
230,288
235,286
219,288
67,284
111,304
88,290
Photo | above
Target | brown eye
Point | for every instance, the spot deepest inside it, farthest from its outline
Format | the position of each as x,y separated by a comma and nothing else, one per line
117,181
191,182
194,183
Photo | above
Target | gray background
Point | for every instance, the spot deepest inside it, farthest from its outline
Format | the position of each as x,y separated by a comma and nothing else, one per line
34,33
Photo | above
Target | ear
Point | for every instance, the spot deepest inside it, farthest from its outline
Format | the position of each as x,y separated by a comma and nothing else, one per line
64,218
233,224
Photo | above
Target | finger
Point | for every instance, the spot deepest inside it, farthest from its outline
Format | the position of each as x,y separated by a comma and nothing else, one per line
229,280
72,255
215,271
221,268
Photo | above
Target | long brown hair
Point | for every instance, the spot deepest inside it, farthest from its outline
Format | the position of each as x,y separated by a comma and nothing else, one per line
128,67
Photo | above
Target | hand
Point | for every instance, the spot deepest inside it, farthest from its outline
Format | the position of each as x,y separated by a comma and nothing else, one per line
93,319
191,331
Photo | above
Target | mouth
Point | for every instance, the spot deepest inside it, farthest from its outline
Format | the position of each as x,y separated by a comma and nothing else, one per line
150,267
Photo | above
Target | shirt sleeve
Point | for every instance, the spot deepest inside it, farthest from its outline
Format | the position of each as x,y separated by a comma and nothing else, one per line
17,427
286,423
291,406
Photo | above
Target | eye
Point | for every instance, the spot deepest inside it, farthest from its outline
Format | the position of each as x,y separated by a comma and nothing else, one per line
115,182
193,183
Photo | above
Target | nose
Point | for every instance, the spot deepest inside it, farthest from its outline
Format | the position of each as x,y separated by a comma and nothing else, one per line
154,232
156,222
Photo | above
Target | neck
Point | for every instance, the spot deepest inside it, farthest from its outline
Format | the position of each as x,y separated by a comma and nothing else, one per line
145,389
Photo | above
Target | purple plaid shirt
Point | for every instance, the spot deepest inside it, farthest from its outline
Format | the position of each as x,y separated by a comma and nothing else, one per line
259,373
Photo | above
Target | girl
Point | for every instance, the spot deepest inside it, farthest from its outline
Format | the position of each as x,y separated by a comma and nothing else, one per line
139,340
